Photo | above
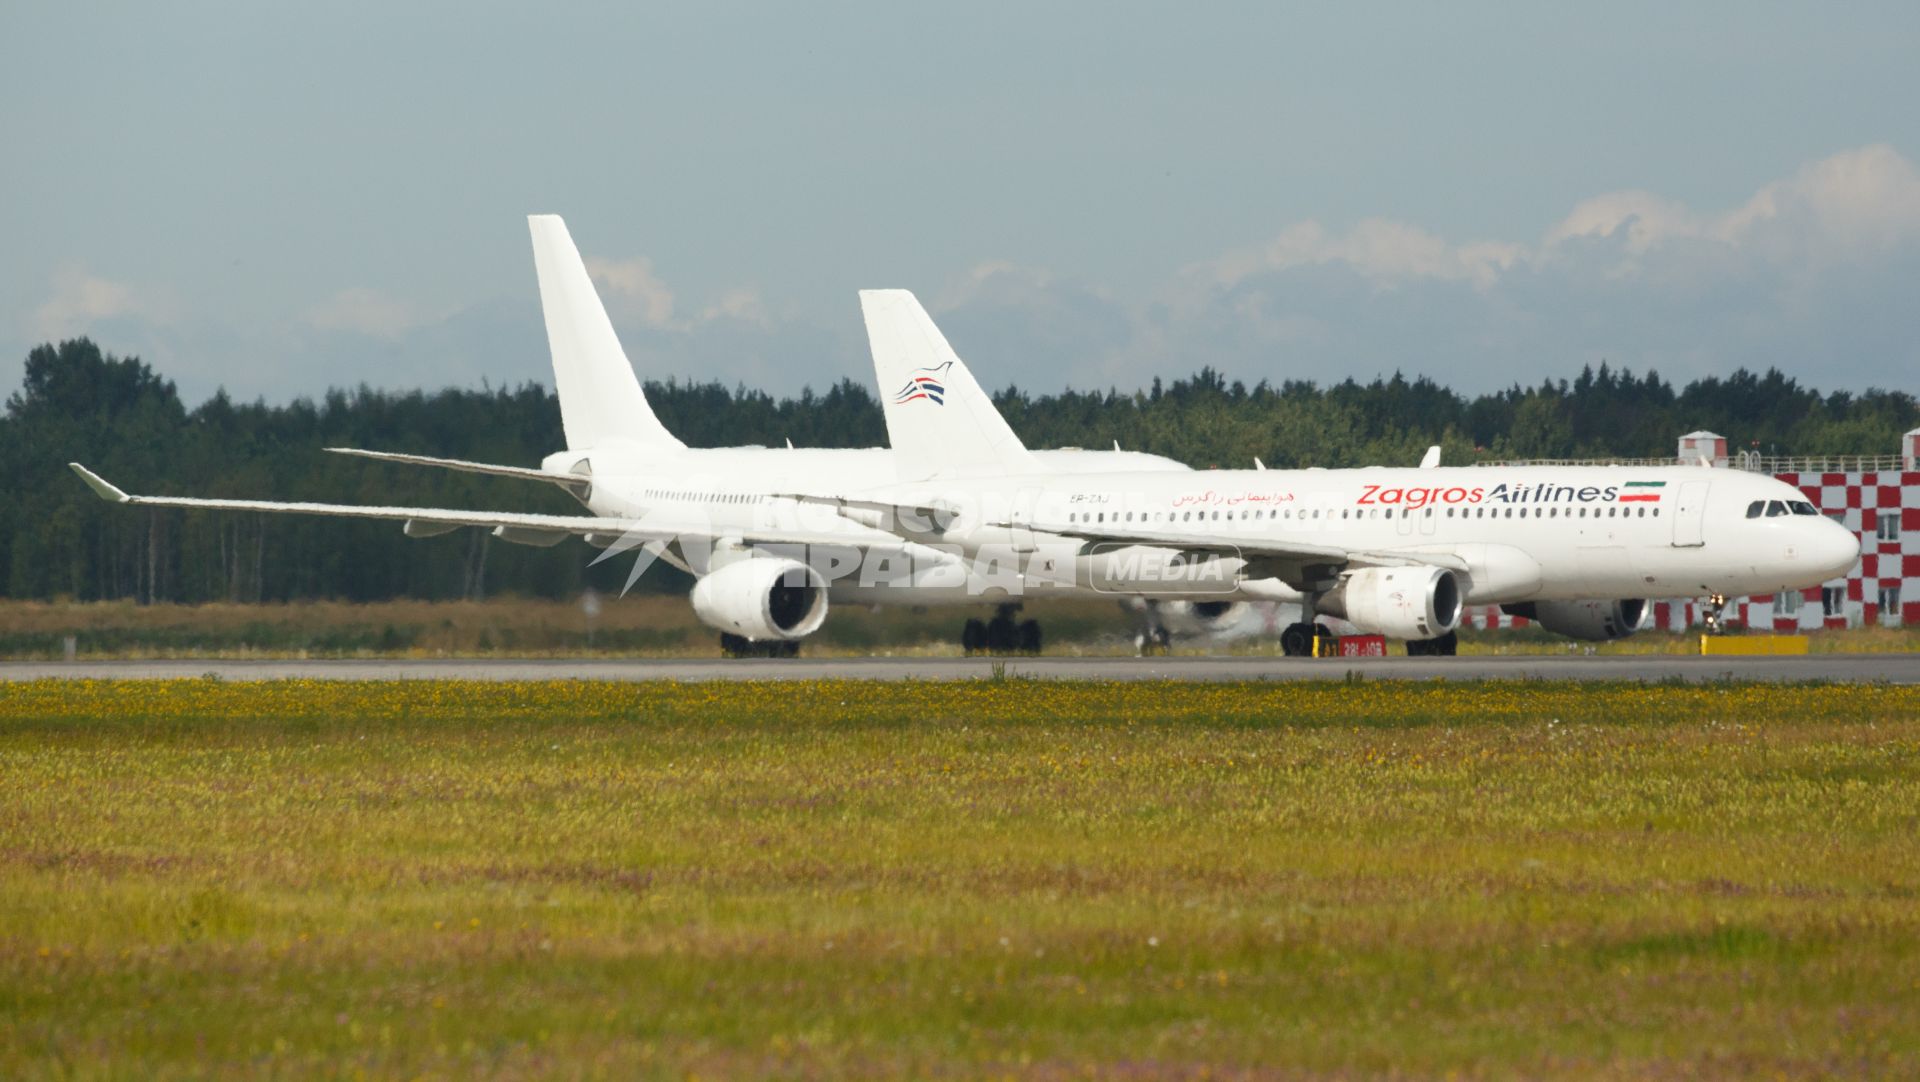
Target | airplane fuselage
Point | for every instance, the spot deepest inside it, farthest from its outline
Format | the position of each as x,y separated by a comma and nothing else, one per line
1517,533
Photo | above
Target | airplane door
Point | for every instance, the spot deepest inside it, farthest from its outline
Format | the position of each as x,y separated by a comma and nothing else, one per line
1022,518
1690,514
1428,515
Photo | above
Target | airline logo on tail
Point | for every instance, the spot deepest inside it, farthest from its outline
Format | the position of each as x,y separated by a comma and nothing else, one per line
927,383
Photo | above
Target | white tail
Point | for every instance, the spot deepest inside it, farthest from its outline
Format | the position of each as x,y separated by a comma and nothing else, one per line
600,399
939,421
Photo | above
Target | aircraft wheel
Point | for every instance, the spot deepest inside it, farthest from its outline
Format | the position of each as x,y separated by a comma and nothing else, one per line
1297,640
1329,642
1003,634
1419,647
789,648
973,637
1030,638
732,645
1447,645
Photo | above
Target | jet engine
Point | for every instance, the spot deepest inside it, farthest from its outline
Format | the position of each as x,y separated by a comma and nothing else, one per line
1402,602
762,599
1593,621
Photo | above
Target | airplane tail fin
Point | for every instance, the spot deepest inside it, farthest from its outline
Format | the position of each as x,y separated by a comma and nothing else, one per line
939,421
600,398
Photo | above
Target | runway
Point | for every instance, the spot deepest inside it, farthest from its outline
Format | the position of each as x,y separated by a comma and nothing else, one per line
1835,668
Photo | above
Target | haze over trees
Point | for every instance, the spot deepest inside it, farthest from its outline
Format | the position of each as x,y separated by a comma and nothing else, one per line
79,403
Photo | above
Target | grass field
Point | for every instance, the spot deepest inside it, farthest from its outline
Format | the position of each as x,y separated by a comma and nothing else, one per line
994,878
655,626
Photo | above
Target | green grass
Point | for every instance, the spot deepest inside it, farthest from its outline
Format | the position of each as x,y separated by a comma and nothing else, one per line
1015,877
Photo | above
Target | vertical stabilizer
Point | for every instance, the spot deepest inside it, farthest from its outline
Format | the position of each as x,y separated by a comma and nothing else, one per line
939,421
600,399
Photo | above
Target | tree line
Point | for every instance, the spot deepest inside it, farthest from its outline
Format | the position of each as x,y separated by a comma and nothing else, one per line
79,403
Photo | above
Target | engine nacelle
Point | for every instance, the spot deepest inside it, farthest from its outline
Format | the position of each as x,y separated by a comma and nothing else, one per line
1201,617
1593,621
1401,602
762,599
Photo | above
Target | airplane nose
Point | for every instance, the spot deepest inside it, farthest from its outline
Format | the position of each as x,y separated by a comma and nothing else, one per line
1834,549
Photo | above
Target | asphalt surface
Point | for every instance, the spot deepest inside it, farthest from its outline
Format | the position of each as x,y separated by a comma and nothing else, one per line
1838,668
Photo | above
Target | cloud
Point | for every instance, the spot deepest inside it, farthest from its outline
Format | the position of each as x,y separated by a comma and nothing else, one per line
744,305
80,300
1857,203
629,287
1382,250
1811,274
363,311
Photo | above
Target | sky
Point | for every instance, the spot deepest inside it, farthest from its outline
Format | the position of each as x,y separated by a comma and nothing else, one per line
279,199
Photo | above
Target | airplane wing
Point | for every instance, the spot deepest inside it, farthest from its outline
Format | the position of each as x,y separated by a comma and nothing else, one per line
521,528
1253,549
464,466
1292,561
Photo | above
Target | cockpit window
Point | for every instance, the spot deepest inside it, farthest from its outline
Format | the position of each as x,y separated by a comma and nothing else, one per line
1802,507
1775,508
1754,508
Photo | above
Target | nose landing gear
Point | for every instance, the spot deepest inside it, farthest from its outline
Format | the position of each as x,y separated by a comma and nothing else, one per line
1715,619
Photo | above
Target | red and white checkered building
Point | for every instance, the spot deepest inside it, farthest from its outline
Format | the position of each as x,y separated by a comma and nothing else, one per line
1875,496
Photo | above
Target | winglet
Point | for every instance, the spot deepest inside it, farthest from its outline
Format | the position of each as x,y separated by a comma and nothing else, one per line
101,486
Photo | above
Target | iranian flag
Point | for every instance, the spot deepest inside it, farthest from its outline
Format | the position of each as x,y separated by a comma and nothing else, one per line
1642,491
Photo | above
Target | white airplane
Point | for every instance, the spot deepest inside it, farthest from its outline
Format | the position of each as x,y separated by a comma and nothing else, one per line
1397,552
766,566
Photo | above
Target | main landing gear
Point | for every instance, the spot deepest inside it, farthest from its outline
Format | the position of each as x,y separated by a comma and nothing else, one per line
1297,639
1001,635
1445,646
732,645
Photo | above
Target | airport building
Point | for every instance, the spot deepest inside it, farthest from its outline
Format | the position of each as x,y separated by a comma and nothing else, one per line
1875,496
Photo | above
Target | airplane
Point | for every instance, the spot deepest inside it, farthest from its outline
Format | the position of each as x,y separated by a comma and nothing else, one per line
765,574
1393,551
